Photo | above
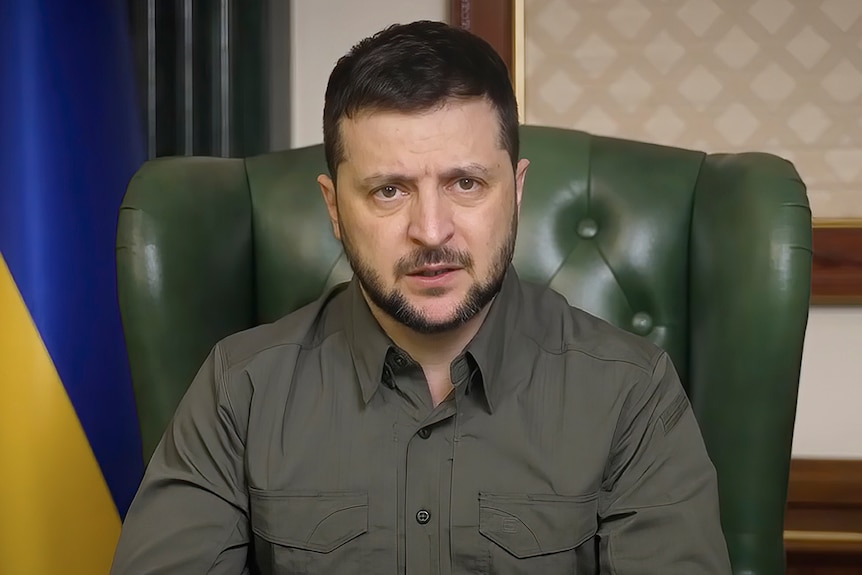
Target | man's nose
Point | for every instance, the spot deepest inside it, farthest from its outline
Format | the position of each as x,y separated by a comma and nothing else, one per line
431,219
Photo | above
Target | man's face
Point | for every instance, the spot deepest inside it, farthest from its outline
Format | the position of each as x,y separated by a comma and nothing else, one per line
427,210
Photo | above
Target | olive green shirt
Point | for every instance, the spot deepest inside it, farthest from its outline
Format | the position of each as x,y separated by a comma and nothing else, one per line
311,446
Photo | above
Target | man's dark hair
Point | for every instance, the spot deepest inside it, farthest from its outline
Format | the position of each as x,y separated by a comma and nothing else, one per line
413,68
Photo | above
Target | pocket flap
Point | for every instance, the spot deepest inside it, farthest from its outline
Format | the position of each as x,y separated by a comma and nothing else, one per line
309,520
530,525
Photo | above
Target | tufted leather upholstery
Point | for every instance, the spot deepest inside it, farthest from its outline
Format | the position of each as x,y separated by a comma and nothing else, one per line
707,255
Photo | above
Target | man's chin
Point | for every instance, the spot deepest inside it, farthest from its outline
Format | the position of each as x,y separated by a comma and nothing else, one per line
436,309
434,325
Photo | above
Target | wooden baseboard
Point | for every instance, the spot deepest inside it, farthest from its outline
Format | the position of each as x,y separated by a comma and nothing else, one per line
836,274
823,520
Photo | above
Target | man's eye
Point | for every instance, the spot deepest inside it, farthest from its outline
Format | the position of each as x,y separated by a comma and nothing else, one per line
467,184
387,192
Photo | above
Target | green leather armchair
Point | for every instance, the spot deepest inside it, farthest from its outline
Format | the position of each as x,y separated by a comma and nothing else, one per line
709,256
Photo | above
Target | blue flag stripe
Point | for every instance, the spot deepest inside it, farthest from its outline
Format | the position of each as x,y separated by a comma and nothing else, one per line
71,141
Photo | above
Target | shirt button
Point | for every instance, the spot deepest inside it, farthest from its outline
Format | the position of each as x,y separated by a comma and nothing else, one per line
423,516
400,361
425,432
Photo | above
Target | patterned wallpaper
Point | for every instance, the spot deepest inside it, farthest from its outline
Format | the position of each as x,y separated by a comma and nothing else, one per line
782,76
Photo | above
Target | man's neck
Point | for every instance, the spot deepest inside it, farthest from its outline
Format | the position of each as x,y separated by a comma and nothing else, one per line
433,352
430,350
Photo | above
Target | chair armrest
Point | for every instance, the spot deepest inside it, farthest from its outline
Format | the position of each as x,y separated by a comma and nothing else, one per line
750,284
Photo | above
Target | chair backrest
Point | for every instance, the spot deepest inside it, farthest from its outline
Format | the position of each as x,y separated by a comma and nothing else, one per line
707,255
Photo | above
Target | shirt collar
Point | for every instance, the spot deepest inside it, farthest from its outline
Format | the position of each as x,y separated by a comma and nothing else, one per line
367,341
489,348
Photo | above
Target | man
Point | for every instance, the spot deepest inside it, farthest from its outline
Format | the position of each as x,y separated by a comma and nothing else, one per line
436,414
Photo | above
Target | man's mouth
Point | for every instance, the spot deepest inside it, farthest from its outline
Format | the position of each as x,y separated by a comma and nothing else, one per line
432,271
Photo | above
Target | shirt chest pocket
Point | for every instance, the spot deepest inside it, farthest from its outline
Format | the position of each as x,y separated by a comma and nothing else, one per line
530,534
308,533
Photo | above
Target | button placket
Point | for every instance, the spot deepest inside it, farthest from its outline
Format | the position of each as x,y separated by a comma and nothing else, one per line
425,511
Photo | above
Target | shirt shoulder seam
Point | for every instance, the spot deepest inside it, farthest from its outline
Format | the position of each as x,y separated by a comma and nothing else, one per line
300,345
647,369
223,388
569,348
245,357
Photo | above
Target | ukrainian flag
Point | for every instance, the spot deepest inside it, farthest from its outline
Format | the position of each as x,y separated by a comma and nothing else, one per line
70,454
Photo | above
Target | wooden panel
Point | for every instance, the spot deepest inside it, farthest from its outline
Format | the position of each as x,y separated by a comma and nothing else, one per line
491,20
835,482
815,564
837,268
823,522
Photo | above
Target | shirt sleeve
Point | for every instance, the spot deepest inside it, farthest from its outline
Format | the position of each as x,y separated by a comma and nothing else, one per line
190,514
658,509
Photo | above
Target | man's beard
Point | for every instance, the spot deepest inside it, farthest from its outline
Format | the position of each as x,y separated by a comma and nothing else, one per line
395,304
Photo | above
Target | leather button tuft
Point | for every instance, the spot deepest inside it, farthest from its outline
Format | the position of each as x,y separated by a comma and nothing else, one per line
642,322
588,228
423,516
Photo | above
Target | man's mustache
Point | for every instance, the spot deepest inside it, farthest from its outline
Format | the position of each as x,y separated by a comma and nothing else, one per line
433,256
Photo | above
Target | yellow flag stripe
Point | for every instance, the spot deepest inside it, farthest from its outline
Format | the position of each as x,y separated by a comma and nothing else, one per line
56,513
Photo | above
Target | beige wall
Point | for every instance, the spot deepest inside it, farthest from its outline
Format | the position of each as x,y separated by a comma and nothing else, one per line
322,31
831,386
783,76
828,422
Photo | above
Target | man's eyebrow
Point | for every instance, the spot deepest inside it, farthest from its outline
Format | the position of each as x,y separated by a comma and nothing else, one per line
380,178
466,171
471,170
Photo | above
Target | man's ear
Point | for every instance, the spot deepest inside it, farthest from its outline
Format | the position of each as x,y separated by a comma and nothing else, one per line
327,189
520,178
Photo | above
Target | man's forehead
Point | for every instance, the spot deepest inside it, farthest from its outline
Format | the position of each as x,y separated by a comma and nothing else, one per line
452,114
441,137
